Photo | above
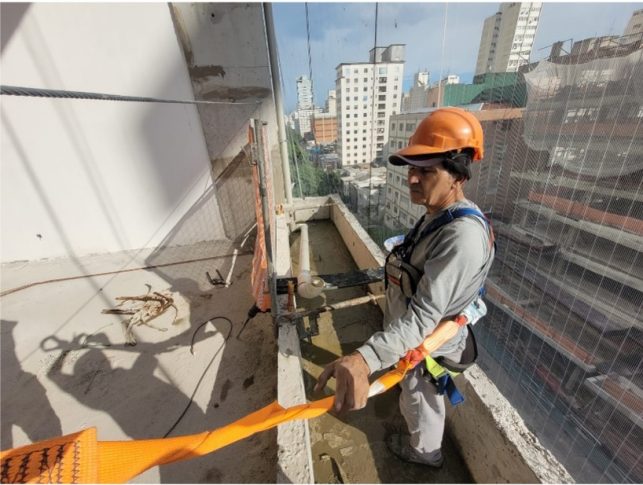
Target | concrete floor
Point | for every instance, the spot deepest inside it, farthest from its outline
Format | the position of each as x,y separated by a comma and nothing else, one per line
65,365
351,448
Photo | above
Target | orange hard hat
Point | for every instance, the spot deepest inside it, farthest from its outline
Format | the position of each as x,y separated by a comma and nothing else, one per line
442,131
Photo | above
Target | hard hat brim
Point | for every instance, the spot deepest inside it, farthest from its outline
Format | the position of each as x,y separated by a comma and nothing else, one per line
403,156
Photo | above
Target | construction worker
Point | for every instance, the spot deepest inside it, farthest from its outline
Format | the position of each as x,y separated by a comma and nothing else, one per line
431,278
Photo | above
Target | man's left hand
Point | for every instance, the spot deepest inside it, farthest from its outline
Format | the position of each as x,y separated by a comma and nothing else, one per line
351,387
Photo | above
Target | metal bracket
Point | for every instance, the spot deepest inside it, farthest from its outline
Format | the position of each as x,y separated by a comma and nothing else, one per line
219,282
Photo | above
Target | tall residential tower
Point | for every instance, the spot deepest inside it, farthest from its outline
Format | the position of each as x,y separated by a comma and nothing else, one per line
368,93
507,37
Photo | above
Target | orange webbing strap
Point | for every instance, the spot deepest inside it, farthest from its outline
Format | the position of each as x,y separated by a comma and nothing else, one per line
79,458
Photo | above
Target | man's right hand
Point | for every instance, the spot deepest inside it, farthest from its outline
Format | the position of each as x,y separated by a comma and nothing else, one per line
351,387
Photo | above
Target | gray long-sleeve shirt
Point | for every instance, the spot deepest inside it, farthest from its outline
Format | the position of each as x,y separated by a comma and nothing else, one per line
456,259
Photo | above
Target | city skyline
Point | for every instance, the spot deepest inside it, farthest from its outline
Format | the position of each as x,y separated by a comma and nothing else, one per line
350,26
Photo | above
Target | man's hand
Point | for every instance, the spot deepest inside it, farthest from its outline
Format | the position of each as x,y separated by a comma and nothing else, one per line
351,387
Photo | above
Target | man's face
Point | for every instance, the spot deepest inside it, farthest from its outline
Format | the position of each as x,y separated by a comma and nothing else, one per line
430,186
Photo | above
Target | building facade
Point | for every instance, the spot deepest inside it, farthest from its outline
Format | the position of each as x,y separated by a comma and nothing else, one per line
508,37
305,108
368,93
324,127
417,95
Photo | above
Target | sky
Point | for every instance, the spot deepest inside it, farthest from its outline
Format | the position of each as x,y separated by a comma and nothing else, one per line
344,32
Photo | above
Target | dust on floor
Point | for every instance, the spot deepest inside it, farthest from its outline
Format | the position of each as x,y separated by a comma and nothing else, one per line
65,365
351,448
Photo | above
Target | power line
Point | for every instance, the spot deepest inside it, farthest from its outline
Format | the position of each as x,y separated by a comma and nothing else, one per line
59,93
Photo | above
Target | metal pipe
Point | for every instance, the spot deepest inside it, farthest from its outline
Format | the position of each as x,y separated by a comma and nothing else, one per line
360,300
308,286
276,89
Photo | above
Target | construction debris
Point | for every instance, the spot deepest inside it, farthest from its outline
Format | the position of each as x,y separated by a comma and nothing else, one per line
143,309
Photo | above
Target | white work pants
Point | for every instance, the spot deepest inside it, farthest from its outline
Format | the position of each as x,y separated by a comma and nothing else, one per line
424,411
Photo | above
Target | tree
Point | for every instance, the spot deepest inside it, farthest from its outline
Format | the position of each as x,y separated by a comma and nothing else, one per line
308,179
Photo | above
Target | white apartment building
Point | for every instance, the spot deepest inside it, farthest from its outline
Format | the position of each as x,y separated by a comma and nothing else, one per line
368,93
508,37
305,108
304,93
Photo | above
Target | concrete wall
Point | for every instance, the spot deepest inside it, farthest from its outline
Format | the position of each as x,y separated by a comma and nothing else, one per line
493,439
224,45
82,176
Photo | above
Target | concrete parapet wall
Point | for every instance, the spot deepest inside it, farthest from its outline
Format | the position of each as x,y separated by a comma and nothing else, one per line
365,252
294,459
494,440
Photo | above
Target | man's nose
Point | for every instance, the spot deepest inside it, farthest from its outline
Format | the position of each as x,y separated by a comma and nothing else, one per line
412,177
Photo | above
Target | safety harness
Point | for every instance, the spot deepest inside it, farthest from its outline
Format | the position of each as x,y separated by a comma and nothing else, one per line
400,272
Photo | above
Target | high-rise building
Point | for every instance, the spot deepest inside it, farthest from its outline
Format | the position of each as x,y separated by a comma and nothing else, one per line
507,37
368,93
305,107
635,25
304,93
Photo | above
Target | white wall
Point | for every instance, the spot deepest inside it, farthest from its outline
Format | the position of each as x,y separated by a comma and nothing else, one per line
97,176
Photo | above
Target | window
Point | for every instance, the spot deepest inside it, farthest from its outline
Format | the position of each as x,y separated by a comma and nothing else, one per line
392,143
382,80
365,69
381,97
381,106
348,98
365,79
355,98
399,145
410,127
355,89
355,107
365,98
382,71
381,114
392,126
381,89
365,88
